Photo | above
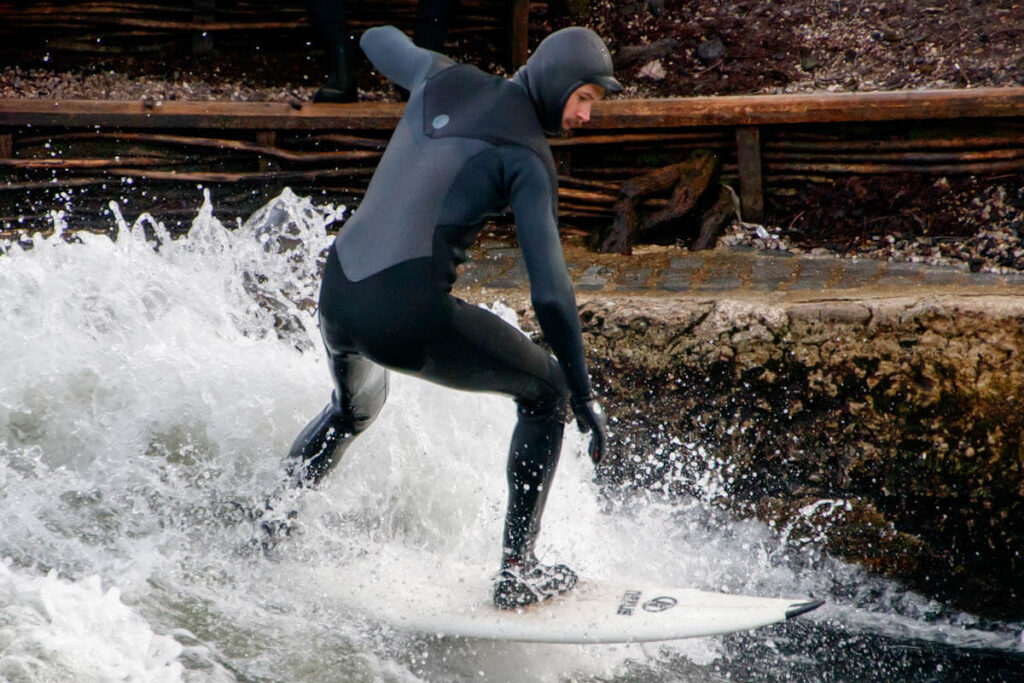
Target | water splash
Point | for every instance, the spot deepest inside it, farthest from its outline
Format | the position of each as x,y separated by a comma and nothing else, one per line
150,389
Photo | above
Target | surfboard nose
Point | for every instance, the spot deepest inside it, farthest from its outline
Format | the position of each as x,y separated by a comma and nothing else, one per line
798,608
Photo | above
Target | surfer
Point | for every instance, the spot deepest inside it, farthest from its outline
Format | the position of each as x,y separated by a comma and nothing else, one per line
468,146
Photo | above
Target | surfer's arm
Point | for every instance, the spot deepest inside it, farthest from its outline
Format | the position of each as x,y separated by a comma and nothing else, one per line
533,203
398,58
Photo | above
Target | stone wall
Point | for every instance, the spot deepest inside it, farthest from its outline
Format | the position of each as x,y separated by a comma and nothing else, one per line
890,430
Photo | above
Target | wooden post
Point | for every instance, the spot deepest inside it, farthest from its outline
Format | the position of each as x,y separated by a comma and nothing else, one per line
748,158
265,138
6,146
518,32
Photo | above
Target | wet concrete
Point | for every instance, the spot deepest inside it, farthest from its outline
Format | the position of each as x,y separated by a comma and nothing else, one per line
732,272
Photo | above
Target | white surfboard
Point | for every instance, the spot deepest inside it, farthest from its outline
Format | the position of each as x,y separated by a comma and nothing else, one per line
594,612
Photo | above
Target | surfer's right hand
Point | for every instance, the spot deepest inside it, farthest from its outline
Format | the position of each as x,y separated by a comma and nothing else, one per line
590,418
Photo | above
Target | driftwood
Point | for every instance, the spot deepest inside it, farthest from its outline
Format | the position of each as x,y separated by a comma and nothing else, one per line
688,181
630,54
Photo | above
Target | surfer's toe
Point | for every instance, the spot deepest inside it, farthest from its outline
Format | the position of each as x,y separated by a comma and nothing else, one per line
517,586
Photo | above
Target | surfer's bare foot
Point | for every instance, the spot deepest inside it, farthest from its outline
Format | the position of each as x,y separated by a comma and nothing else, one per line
519,586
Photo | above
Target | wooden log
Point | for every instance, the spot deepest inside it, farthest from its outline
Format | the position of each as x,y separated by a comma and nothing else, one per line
902,157
694,176
612,114
350,140
51,185
688,180
199,115
760,110
593,197
638,138
624,229
237,177
612,188
658,180
62,163
924,143
881,169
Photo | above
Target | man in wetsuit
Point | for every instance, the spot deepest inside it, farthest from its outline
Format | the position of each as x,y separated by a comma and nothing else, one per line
468,145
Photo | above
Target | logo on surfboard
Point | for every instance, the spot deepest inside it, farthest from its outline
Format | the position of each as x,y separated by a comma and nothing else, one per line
660,604
631,600
628,603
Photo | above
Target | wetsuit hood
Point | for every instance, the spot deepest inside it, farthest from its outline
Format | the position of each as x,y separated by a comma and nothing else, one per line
564,61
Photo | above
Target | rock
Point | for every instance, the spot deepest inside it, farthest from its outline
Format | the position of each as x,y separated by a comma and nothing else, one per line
711,50
652,70
887,429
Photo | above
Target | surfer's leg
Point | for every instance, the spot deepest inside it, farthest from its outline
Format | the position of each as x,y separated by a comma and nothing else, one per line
533,456
360,389
481,352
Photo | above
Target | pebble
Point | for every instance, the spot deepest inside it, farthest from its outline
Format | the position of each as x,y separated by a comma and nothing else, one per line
711,50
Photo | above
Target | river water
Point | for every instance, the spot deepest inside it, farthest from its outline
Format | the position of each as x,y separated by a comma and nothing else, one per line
149,388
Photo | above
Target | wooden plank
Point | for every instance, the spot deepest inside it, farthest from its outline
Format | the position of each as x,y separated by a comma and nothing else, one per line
759,110
675,112
218,114
748,159
739,110
6,146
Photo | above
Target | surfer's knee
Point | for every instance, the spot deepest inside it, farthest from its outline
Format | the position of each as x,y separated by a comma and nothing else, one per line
547,397
365,393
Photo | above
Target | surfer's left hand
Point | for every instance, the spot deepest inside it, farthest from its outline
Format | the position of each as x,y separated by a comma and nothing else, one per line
590,418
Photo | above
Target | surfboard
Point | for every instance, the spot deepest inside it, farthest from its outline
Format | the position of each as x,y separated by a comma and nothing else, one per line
594,612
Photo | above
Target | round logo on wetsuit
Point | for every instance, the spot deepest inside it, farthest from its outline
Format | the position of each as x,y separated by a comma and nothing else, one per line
440,121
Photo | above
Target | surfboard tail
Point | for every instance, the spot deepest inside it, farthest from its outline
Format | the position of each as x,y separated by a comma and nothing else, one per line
798,608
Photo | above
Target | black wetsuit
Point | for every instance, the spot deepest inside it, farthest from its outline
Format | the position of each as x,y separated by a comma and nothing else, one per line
468,145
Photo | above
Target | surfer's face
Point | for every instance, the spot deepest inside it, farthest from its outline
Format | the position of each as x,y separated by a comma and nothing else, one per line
577,107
